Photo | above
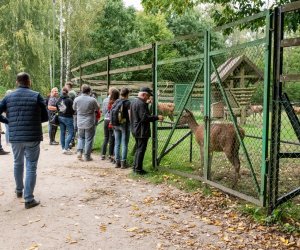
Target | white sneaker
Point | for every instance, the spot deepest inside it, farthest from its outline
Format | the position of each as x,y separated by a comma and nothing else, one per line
67,152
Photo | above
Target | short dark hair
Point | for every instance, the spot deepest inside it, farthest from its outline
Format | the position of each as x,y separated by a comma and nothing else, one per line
86,89
124,92
65,91
23,78
69,84
115,94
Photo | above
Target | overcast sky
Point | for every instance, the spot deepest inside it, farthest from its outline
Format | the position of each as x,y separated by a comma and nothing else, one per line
134,3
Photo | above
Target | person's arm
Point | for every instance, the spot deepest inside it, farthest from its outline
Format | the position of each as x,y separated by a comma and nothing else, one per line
51,104
146,117
3,119
44,113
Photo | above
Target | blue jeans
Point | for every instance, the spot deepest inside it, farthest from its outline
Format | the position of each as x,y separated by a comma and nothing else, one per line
85,140
31,152
6,134
122,134
66,124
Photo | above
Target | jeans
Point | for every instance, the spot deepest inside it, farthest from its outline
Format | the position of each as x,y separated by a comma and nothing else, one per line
108,138
31,152
85,140
122,134
6,134
66,124
141,146
52,132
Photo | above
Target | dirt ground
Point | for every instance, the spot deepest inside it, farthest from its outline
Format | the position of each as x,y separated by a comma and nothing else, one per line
95,206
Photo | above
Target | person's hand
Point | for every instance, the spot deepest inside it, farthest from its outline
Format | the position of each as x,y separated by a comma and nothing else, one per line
160,118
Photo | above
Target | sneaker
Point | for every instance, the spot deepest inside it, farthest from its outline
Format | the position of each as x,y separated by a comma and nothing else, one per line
32,204
19,194
88,158
54,143
141,172
102,157
67,152
79,155
117,164
2,152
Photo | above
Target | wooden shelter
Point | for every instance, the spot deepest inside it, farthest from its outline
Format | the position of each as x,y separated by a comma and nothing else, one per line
239,75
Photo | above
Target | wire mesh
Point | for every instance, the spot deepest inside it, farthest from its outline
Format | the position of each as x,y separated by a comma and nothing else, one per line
175,81
241,75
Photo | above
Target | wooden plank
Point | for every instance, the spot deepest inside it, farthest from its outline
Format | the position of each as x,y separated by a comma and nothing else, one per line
75,79
75,69
131,51
131,69
94,62
290,42
291,7
181,59
103,73
245,77
97,81
290,78
180,38
241,21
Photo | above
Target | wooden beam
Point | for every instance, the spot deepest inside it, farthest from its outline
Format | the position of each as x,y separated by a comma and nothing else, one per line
245,76
103,73
291,7
290,42
290,78
131,69
94,62
131,51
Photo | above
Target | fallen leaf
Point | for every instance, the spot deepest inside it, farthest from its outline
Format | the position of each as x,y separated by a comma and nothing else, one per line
132,229
103,228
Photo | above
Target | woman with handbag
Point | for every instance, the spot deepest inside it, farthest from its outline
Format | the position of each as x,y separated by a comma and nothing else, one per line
52,112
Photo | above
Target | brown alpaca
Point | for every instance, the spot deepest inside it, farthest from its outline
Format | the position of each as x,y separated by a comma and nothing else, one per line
256,109
223,138
166,109
296,110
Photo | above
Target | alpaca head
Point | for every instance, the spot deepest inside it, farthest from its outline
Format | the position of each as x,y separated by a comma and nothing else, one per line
186,117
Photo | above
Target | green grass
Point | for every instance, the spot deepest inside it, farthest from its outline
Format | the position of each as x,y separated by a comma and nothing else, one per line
286,216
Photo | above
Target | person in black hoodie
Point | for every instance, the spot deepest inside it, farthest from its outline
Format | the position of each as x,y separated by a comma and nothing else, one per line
65,117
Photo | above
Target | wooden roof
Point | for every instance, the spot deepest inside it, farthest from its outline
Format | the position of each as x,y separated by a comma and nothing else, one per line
227,68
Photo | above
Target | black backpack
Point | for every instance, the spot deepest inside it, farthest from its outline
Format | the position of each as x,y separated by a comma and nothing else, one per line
117,113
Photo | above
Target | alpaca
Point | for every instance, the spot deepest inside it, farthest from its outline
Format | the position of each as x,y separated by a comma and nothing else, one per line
166,109
223,138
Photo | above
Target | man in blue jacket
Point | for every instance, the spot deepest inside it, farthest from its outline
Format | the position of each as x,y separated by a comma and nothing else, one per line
25,110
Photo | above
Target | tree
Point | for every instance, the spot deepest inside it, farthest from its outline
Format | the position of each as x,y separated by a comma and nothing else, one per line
230,10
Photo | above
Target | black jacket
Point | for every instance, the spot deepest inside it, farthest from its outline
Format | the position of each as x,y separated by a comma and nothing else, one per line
140,119
65,102
25,110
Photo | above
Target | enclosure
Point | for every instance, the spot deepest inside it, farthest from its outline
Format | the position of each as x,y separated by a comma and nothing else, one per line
231,101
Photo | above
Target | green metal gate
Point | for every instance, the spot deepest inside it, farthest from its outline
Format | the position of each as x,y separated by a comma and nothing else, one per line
176,147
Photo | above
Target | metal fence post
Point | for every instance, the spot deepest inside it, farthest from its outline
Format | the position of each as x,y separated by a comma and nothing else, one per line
276,110
206,159
154,106
266,111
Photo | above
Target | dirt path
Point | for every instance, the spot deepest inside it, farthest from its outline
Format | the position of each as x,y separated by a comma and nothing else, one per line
95,206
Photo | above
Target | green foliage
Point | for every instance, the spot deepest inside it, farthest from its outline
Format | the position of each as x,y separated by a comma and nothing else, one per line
286,216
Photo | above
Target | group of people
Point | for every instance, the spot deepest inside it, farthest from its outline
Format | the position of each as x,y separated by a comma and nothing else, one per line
76,113
25,110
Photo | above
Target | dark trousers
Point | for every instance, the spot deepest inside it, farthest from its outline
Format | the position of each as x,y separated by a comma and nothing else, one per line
108,139
141,146
52,132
